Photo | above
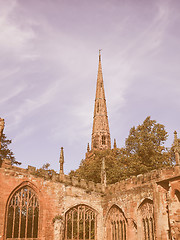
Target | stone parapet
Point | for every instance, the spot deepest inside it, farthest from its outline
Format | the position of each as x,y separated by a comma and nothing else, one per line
144,179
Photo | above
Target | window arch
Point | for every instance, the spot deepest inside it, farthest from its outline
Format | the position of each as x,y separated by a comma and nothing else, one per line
177,193
22,214
116,224
147,219
103,140
81,223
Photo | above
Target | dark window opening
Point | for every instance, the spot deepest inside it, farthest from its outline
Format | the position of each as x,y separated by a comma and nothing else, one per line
97,107
116,225
80,223
103,140
23,215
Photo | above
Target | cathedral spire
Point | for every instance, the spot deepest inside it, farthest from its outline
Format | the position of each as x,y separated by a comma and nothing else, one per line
100,133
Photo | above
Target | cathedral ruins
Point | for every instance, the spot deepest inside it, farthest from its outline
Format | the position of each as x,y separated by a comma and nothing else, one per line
60,207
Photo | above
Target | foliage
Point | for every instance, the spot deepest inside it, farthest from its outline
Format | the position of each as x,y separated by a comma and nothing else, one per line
44,171
144,148
7,153
144,151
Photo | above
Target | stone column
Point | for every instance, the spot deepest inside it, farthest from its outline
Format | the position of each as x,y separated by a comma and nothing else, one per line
176,147
61,161
58,229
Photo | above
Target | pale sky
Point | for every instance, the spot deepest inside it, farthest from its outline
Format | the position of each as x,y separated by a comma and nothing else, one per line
48,71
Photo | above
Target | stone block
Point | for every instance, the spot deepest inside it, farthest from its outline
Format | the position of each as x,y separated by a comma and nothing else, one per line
98,187
83,183
91,185
31,169
75,181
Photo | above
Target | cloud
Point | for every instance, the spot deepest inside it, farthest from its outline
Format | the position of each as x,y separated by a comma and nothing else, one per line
29,106
15,36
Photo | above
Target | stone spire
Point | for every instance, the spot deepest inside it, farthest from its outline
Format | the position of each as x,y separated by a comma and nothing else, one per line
100,133
61,161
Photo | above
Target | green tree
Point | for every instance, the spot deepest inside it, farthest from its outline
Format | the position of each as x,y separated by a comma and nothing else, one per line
144,151
7,153
144,148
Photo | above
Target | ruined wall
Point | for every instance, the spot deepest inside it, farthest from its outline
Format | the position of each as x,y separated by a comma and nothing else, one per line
159,189
55,199
131,193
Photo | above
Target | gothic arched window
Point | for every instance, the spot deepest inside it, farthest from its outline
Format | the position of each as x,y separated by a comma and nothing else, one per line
103,140
81,223
116,225
177,193
22,215
147,219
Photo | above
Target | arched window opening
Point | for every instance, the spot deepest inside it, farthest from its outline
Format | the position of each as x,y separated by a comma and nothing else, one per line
116,224
22,215
177,193
81,223
146,211
103,140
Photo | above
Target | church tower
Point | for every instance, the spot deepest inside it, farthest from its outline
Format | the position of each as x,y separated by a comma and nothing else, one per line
100,133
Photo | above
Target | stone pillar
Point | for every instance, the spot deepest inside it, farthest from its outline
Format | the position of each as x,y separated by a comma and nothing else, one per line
61,161
1,132
1,129
103,175
176,148
58,229
115,145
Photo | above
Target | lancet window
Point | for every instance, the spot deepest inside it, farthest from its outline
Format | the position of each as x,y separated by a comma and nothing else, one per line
177,193
81,223
146,211
22,215
116,225
103,140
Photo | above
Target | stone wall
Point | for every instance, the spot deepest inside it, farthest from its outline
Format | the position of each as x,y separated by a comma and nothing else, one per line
56,197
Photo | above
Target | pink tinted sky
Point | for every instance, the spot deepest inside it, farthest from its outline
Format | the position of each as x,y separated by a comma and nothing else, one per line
48,70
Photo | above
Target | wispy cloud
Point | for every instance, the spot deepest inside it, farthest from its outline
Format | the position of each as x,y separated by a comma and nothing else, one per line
15,37
29,106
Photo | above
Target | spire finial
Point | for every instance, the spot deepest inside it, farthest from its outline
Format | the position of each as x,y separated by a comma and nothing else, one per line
100,54
175,136
61,161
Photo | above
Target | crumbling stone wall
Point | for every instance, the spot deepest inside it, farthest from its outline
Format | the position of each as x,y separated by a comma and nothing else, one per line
55,199
161,188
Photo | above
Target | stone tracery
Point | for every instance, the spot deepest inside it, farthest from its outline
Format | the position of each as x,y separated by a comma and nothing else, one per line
22,215
81,223
116,224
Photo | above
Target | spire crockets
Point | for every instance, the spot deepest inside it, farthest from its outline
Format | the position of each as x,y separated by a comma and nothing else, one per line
100,133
